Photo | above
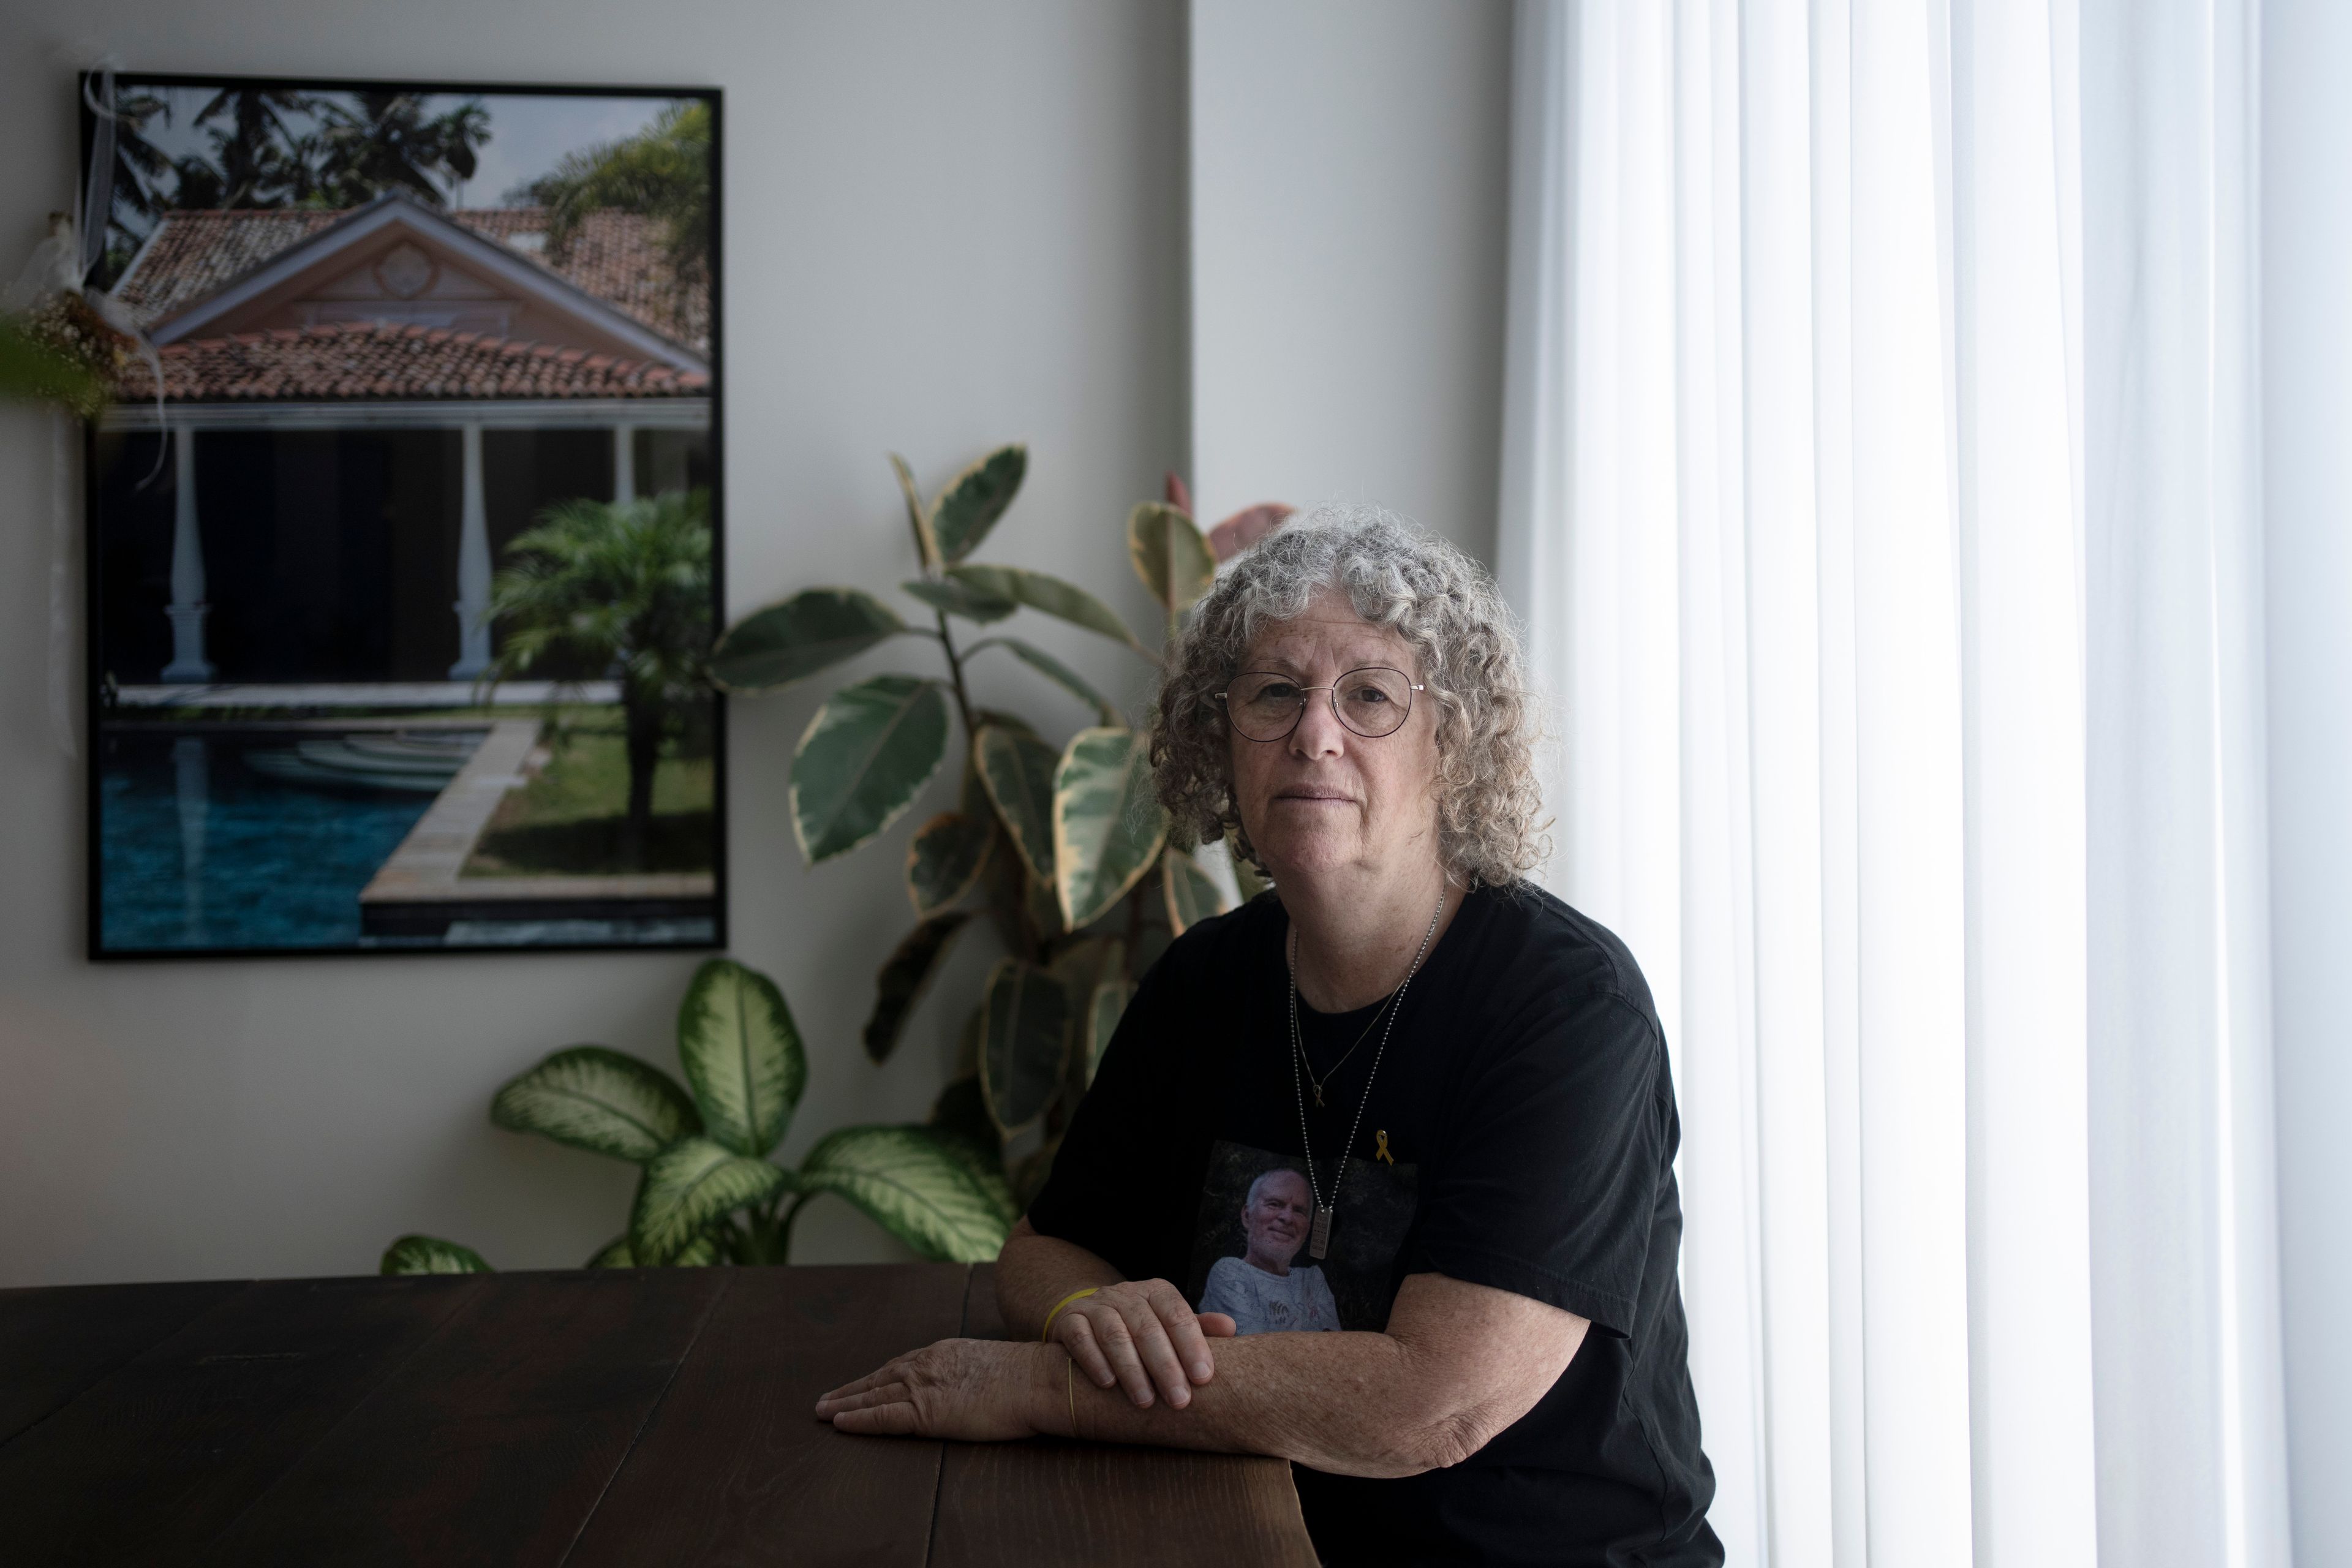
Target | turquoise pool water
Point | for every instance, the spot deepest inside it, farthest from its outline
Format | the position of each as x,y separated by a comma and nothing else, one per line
199,848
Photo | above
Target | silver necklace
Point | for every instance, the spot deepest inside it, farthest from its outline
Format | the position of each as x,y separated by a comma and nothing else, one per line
1318,1239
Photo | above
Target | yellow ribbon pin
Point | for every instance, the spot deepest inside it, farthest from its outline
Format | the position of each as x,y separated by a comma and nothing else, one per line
1382,1153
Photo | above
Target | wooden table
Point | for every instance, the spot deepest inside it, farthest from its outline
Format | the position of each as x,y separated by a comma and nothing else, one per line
653,1416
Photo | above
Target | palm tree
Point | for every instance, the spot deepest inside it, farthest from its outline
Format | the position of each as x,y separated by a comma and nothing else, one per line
250,151
390,144
625,587
662,172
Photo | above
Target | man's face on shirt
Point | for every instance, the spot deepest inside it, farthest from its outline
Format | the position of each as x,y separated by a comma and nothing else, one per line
1275,1221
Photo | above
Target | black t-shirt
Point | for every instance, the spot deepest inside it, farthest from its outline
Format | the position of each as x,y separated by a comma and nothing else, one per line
1521,1134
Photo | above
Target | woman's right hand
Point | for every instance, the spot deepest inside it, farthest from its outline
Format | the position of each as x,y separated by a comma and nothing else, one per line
1142,1335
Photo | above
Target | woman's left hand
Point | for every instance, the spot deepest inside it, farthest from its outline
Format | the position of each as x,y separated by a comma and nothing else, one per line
980,1391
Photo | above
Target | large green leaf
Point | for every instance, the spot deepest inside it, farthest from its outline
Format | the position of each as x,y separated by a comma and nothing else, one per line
430,1255
1192,894
946,856
959,598
1052,670
742,1055
1024,1040
1170,555
1018,772
917,516
961,1111
910,1185
1054,596
1103,1010
1107,824
865,756
1044,907
687,1187
614,1253
600,1100
700,1253
975,499
812,629
904,976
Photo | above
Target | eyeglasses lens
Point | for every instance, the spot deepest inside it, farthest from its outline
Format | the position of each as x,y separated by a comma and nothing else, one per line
1371,702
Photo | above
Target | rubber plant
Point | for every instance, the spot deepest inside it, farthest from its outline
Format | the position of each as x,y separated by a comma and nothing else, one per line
710,1190
1060,847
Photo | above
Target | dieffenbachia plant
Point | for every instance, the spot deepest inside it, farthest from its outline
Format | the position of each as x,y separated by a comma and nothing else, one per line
711,1191
1064,845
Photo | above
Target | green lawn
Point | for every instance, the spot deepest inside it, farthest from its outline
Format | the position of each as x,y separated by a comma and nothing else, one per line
567,821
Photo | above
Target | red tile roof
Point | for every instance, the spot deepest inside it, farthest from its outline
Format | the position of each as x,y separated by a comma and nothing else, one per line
617,257
374,358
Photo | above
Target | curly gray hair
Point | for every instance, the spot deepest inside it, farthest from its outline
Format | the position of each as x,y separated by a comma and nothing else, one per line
1462,636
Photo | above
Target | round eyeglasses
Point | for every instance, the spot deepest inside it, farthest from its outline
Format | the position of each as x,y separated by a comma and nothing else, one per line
1372,702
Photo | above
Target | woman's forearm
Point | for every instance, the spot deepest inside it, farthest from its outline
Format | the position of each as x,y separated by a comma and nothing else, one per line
1033,1272
1350,1403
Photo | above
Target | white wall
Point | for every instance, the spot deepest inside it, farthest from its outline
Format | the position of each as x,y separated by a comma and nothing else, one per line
2307,477
946,226
1348,188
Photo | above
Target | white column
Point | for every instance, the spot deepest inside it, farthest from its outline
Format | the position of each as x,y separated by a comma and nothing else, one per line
188,607
624,464
473,605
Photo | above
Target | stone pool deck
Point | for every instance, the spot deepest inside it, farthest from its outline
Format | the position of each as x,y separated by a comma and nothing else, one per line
420,890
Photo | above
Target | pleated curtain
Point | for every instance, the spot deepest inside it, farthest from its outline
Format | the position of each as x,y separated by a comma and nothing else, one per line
1879,493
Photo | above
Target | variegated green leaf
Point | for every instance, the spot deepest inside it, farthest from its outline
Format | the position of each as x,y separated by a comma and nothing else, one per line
742,1055
904,975
962,1110
614,1253
919,517
1052,670
1044,907
1192,894
703,1251
958,598
975,499
430,1255
1018,772
1065,601
1024,1043
913,1187
865,756
689,1186
1170,555
946,856
597,1100
1108,822
1103,1010
812,629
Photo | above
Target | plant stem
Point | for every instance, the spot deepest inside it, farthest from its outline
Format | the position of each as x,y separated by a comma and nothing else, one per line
955,675
784,1227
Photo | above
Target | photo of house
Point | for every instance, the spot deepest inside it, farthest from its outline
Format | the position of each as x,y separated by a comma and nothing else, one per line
402,575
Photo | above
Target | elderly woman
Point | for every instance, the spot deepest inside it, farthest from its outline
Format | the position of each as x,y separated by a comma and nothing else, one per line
1469,1074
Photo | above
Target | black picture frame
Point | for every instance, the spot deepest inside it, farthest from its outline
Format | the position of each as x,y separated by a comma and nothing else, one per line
643,904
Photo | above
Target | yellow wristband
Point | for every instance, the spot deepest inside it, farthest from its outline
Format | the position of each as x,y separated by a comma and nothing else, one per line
1047,1332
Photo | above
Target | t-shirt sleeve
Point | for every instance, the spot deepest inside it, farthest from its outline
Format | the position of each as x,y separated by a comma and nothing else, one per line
1109,1191
1550,1170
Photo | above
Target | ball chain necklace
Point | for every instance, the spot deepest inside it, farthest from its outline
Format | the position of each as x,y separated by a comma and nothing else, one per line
1318,1239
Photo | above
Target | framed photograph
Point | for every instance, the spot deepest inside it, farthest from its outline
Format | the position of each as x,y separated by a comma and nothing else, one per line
404,526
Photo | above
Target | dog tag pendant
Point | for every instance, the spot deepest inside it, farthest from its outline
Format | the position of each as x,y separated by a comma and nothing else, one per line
1318,1239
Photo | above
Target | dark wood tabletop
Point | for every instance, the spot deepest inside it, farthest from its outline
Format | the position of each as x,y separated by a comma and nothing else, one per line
608,1416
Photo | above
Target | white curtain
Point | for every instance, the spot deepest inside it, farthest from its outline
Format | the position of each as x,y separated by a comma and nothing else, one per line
1878,490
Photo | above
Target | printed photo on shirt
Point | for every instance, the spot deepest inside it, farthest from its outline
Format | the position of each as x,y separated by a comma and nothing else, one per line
1250,1255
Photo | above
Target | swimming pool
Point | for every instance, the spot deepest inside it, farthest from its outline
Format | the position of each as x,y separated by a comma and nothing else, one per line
214,840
